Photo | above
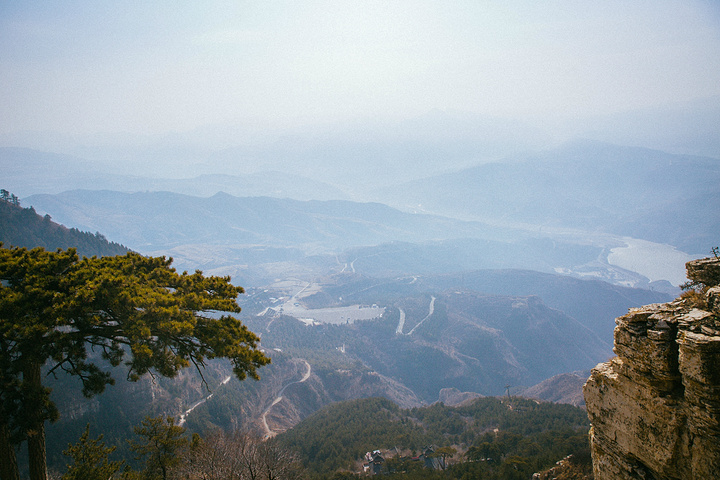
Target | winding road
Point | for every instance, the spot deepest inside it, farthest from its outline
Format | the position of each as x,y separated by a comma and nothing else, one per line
183,417
431,310
270,433
401,323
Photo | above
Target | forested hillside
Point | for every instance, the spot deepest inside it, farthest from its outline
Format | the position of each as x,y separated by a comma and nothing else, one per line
23,227
489,438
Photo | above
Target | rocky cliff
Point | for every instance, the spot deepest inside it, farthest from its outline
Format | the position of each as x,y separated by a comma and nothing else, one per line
655,407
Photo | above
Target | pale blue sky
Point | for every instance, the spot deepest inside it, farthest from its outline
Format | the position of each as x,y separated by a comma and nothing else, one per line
82,68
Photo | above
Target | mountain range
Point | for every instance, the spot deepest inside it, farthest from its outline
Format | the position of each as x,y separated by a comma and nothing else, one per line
588,186
155,220
459,285
27,172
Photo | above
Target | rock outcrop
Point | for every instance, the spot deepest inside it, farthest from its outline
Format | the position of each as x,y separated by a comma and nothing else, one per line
655,407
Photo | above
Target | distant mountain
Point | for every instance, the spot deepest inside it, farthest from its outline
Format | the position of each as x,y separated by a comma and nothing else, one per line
368,154
255,239
685,127
23,227
155,220
628,191
29,172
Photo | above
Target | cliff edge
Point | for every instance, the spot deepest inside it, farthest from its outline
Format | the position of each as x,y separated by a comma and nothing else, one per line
655,407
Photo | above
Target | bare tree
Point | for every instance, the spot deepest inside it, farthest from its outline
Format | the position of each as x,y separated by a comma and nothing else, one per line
240,456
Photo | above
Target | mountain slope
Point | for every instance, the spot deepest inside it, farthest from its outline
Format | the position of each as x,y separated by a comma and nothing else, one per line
563,388
595,304
453,339
23,227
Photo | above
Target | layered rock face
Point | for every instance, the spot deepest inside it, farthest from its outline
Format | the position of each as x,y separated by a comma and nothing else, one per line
655,407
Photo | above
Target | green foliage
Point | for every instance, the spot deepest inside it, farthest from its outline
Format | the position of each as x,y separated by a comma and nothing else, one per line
162,446
90,459
10,198
335,437
498,440
168,453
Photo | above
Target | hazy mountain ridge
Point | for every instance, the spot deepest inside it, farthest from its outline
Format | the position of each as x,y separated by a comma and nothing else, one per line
597,190
583,185
257,239
157,220
683,127
349,154
30,172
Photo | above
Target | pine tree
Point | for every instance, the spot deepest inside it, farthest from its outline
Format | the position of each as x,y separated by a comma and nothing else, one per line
53,306
90,459
161,445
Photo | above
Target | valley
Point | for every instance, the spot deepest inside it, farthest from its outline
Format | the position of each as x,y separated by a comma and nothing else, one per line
355,300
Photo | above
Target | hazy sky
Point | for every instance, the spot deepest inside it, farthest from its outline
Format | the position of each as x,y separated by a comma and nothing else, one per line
87,67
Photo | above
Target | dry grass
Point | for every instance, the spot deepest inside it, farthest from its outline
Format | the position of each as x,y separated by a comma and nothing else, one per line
695,297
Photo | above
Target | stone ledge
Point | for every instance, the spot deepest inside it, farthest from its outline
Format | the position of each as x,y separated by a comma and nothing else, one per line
655,407
705,271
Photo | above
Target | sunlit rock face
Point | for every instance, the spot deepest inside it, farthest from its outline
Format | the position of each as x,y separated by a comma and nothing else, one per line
655,407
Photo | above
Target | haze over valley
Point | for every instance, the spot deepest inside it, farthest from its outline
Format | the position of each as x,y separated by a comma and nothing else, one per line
424,201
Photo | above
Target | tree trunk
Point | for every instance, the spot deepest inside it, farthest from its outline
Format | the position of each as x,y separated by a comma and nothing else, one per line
36,452
36,433
8,460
